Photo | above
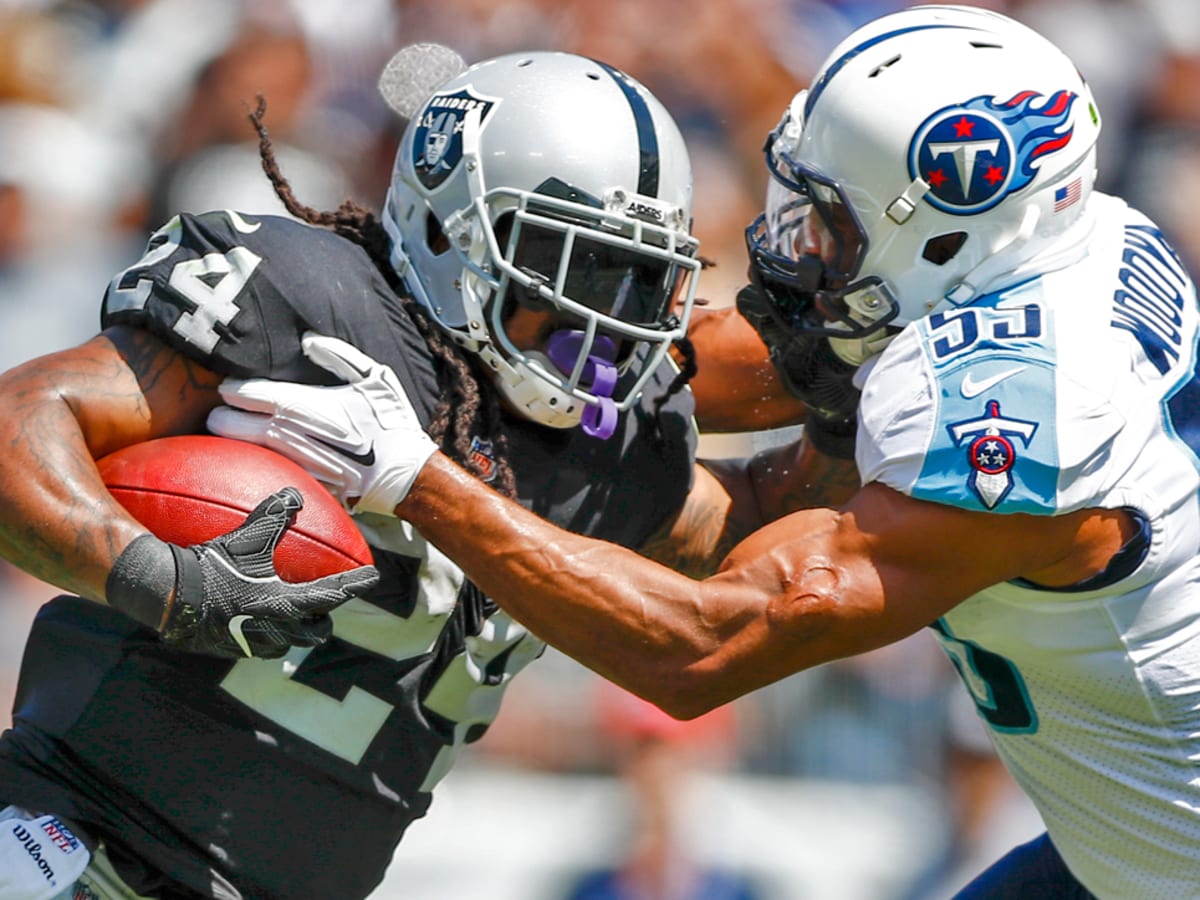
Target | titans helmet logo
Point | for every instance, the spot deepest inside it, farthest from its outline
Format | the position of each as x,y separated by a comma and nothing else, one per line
437,145
973,155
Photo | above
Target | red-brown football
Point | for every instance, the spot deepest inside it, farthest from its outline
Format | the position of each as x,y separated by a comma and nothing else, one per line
192,488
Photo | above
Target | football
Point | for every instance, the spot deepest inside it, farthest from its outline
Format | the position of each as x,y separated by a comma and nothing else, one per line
192,488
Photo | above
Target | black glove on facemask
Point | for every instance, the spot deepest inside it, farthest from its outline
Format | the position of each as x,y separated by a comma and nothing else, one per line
812,372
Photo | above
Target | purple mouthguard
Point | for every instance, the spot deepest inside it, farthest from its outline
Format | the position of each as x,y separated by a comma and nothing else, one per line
599,377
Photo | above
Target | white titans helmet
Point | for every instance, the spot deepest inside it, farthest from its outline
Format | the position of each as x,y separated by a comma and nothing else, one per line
936,152
555,182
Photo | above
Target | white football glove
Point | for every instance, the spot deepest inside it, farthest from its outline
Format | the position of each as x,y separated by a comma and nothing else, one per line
361,439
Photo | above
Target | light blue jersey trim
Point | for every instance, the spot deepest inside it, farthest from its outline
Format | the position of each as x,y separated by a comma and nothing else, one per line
994,444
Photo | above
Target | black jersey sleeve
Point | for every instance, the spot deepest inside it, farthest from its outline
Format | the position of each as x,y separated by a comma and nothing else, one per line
621,489
236,292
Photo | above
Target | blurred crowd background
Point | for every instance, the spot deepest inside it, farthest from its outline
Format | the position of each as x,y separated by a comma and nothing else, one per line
866,778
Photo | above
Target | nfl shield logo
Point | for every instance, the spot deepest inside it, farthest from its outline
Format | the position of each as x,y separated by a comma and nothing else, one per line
437,145
483,458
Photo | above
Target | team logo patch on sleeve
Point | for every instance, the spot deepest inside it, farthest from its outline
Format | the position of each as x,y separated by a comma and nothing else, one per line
437,146
975,154
991,452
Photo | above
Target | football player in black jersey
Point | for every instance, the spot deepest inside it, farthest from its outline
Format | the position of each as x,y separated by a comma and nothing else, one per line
530,274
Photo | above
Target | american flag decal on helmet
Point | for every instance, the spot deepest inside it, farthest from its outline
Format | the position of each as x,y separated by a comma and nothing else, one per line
1068,195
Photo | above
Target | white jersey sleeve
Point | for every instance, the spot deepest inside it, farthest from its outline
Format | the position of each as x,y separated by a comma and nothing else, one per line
971,408
1078,388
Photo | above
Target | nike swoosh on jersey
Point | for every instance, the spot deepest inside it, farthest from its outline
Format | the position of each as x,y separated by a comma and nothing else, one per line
363,459
972,388
235,629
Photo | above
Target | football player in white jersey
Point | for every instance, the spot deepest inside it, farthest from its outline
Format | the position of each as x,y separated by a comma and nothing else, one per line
1028,443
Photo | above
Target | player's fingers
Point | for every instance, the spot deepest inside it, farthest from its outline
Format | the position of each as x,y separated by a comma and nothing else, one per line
240,425
252,545
259,395
336,356
324,595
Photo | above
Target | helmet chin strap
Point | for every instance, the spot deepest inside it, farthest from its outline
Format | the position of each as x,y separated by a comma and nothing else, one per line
599,377
996,263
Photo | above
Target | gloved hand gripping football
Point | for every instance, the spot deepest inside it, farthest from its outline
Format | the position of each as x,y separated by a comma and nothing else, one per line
223,597
361,439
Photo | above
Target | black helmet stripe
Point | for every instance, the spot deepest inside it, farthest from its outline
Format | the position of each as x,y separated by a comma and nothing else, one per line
647,140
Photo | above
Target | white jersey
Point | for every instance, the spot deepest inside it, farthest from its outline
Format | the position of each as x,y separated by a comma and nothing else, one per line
1076,389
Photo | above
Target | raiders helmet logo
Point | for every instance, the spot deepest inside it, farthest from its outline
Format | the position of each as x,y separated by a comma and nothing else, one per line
437,145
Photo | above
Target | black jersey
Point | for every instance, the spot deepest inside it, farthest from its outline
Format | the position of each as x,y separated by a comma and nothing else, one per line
297,777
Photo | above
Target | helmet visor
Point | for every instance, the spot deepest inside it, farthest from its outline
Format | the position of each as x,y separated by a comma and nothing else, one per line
808,247
808,216
615,280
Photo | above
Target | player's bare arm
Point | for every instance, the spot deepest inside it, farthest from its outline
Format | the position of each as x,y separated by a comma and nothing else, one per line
736,386
730,498
809,588
60,523
61,412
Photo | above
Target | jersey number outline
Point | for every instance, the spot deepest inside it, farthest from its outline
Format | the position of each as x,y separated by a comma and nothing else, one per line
466,692
993,682
468,689
961,328
211,283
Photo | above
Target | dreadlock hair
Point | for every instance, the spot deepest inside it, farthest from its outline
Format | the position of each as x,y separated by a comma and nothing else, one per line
687,371
468,404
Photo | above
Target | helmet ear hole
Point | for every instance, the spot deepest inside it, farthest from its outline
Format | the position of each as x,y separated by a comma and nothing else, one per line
435,238
941,249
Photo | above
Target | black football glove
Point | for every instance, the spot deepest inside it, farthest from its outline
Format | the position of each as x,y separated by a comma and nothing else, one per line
811,372
223,597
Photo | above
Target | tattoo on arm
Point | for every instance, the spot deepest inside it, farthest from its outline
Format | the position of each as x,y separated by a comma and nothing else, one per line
743,495
696,541
58,414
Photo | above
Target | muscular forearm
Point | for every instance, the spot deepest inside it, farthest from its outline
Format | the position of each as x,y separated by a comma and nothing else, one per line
658,633
54,522
58,413
736,386
799,476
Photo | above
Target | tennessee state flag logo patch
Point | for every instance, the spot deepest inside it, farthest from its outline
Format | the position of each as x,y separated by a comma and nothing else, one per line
991,452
